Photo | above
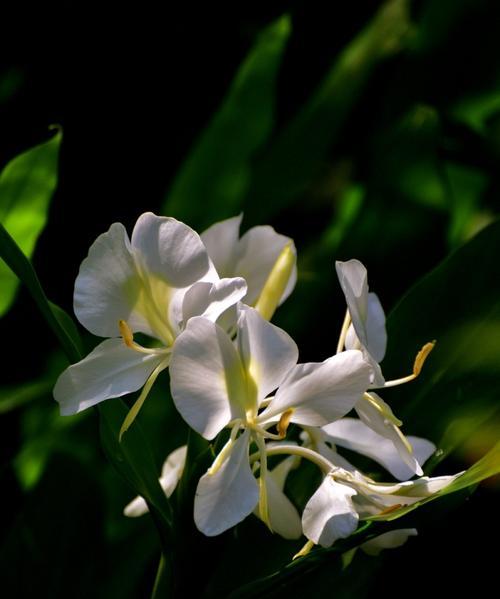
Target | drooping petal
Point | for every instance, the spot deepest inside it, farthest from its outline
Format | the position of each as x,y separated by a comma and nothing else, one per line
169,250
170,475
366,312
283,515
108,286
110,370
206,377
321,393
259,248
221,241
267,352
228,496
356,436
329,514
410,461
388,540
212,299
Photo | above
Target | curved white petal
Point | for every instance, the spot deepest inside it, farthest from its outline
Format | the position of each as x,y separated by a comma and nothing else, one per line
366,312
329,514
212,299
227,497
376,334
108,286
170,250
388,540
352,342
258,250
321,393
110,370
206,377
357,436
283,515
170,475
221,241
409,463
267,352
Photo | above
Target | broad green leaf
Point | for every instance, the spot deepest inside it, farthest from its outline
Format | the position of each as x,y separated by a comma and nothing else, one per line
215,176
27,184
133,459
287,167
475,111
55,317
458,304
488,465
13,397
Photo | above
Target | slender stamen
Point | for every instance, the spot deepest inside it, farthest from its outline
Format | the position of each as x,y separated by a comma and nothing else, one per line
263,503
225,451
420,359
304,551
303,452
343,332
383,409
134,410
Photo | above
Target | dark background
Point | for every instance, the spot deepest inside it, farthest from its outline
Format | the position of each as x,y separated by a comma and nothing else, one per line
132,90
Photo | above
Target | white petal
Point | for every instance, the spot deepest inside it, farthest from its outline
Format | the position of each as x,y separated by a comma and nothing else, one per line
283,515
206,377
357,436
137,507
366,312
170,475
221,241
108,286
212,299
170,250
321,393
227,497
267,352
388,540
376,334
259,249
409,463
110,370
329,514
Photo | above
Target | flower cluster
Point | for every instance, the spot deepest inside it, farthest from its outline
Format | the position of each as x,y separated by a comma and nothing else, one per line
206,302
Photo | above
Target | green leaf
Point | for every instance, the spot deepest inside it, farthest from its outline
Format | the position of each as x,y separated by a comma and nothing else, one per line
488,465
27,184
288,166
56,318
133,459
215,177
454,402
458,304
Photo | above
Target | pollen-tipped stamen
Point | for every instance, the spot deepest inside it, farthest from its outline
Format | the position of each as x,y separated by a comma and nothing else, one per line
284,422
128,339
420,359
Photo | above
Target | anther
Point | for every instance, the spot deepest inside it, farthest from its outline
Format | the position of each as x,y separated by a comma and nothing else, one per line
422,357
284,422
126,333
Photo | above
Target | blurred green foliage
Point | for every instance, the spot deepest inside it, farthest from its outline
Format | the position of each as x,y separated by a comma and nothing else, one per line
381,143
